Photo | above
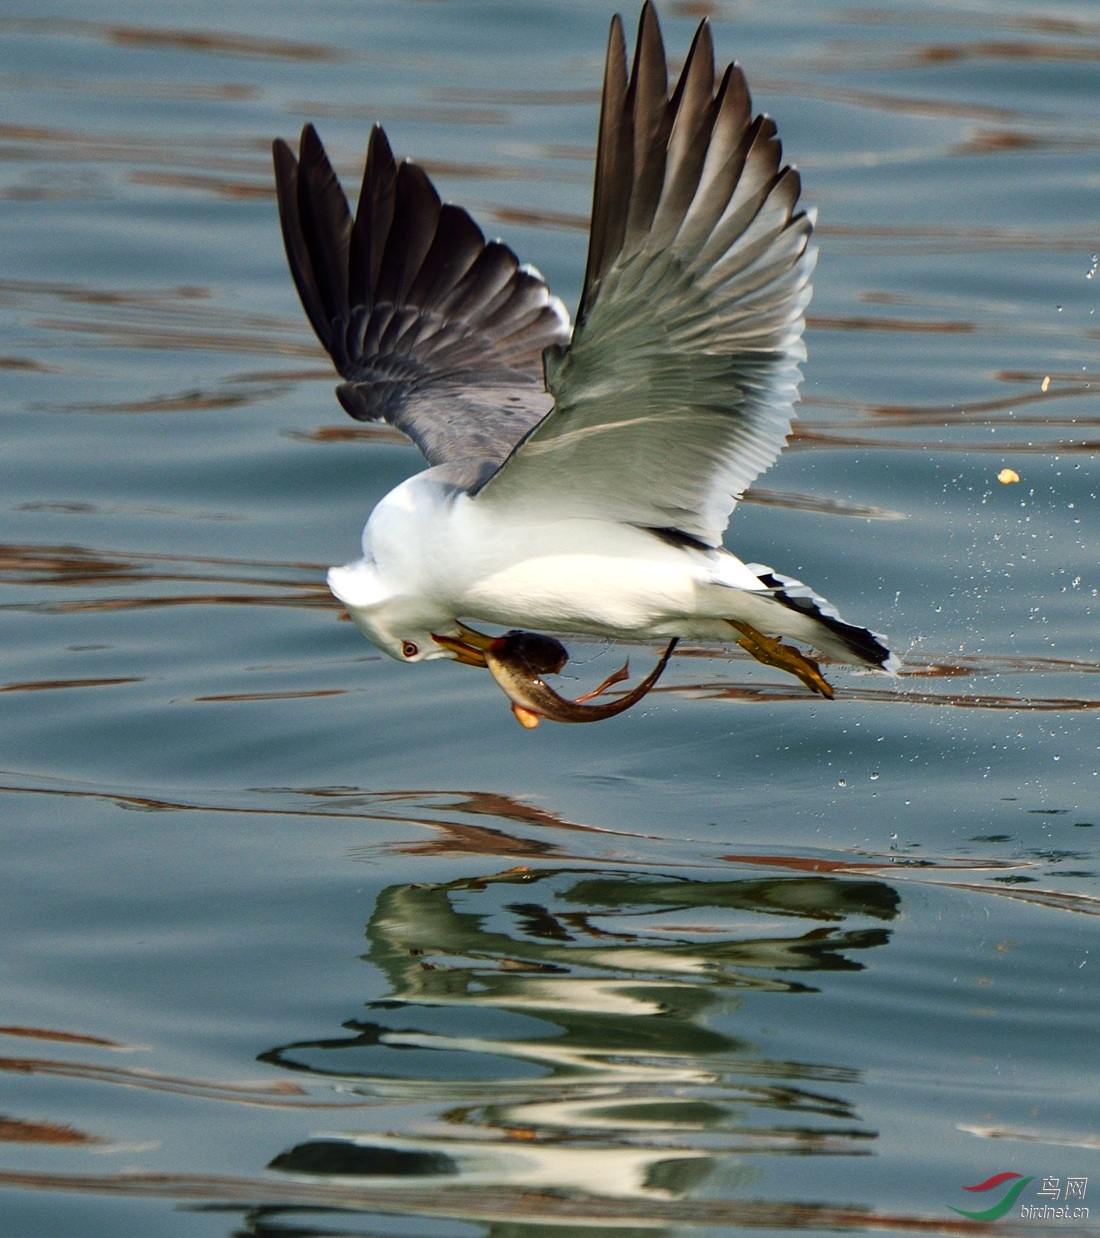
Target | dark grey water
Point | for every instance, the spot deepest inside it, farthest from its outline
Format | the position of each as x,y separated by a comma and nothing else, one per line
297,940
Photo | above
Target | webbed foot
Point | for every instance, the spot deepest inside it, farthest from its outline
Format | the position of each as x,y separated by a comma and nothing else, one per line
772,652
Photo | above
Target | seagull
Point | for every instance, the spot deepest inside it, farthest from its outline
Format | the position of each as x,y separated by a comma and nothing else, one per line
581,475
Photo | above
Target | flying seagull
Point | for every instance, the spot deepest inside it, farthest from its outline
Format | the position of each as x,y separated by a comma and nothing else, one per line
581,477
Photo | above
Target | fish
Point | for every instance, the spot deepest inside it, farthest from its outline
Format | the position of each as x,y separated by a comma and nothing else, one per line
518,661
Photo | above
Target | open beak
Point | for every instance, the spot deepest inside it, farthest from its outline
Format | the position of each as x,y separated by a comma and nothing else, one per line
469,646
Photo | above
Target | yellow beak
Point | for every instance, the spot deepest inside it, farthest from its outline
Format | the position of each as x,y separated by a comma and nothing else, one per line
469,646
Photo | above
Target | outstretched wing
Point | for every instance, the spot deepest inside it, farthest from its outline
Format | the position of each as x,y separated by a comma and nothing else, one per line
677,389
434,330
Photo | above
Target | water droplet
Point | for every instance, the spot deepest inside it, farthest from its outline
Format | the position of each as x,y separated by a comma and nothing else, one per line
874,776
842,782
1092,269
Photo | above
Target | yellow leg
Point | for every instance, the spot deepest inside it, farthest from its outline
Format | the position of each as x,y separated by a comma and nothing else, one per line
768,650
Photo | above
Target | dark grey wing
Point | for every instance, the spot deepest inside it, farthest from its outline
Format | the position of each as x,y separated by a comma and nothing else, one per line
434,330
678,387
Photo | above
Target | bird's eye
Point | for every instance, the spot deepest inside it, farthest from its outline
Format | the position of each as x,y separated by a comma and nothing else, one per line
409,649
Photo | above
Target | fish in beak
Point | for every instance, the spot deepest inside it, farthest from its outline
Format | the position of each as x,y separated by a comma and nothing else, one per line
519,660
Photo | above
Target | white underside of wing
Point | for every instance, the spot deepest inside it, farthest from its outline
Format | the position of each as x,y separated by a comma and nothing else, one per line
678,386
664,420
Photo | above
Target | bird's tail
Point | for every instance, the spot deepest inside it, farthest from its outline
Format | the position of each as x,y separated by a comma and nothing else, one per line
812,619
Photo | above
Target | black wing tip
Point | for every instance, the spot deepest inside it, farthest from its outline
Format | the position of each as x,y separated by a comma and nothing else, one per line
703,36
309,145
285,163
311,150
636,118
378,146
411,178
648,16
649,46
864,644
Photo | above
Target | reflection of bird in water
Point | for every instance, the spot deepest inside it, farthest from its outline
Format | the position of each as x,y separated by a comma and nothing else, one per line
580,479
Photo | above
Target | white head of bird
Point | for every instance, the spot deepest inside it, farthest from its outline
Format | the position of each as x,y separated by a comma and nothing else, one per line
390,592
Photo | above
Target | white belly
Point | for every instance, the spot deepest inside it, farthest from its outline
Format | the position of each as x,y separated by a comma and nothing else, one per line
582,592
581,575
523,568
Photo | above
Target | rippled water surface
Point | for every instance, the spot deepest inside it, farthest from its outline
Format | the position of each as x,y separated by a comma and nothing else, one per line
299,941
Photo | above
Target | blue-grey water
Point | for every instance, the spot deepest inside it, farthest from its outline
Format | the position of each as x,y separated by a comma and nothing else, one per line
300,941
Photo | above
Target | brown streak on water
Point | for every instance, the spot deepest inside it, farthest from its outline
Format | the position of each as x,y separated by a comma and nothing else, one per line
953,238
49,685
78,565
280,1095
856,322
998,49
884,696
203,41
456,838
13,1130
887,865
69,1038
803,437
